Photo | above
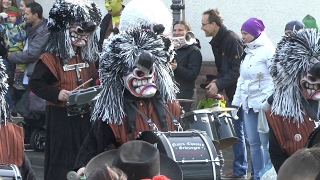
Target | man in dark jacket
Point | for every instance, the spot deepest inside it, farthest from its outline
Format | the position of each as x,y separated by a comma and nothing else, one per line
37,35
227,49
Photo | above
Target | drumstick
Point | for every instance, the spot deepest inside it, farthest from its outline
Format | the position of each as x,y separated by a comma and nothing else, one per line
83,84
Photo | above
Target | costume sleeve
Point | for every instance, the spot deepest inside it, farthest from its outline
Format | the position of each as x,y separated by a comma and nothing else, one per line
41,83
26,169
270,99
191,72
232,55
34,49
98,139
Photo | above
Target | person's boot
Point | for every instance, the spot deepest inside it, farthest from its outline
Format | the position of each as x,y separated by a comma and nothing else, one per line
18,81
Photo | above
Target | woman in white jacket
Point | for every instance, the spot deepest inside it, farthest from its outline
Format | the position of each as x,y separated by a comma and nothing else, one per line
253,87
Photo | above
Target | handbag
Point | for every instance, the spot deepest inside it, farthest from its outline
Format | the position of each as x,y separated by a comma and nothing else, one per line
263,126
36,104
11,144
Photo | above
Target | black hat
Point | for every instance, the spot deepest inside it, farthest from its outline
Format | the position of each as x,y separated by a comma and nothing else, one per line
139,160
294,25
210,77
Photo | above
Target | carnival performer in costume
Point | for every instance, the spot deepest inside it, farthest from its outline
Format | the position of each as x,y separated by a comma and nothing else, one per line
138,91
66,64
110,23
11,142
295,72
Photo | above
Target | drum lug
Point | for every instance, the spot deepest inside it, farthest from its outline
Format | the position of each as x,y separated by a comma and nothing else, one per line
139,134
226,120
153,125
176,122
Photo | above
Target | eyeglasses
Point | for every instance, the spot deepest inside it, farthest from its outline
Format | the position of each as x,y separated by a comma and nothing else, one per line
204,24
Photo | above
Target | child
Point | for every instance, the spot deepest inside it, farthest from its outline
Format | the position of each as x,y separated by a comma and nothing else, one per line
14,34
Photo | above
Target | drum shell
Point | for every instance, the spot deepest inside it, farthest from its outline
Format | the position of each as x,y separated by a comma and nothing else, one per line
225,131
170,144
200,120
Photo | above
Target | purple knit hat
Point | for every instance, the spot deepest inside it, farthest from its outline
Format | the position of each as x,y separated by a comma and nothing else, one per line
253,26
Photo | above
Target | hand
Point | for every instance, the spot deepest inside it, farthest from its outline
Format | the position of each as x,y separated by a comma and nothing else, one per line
17,71
166,35
212,89
174,65
63,95
265,106
234,114
3,15
80,172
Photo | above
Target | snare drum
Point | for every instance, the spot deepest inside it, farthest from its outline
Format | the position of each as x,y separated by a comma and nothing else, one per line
224,126
314,138
200,120
192,150
10,171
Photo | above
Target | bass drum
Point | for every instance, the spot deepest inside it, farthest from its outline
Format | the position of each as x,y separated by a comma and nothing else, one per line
192,150
314,138
200,120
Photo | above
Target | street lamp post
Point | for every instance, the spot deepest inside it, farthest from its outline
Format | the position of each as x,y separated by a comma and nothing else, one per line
176,10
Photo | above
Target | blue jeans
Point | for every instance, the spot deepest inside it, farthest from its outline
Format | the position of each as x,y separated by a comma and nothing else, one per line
259,143
8,95
240,164
246,137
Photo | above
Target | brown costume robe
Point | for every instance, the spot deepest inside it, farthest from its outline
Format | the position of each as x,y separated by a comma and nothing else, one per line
120,132
103,134
64,134
286,137
286,131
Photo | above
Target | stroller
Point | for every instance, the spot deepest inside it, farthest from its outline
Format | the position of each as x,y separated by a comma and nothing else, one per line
33,123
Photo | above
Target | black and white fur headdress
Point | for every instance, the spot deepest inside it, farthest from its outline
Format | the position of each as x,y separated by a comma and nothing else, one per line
147,13
294,56
4,107
61,16
120,53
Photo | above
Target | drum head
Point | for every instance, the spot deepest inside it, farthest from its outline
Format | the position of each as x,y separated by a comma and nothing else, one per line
226,142
314,138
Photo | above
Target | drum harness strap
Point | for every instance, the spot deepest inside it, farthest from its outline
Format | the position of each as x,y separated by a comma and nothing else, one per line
162,118
217,120
76,67
132,121
310,110
175,122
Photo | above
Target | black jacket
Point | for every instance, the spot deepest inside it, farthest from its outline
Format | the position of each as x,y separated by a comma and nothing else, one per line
189,60
227,49
3,48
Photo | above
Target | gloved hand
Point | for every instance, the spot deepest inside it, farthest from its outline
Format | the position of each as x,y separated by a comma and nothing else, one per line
3,15
80,172
265,106
234,114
